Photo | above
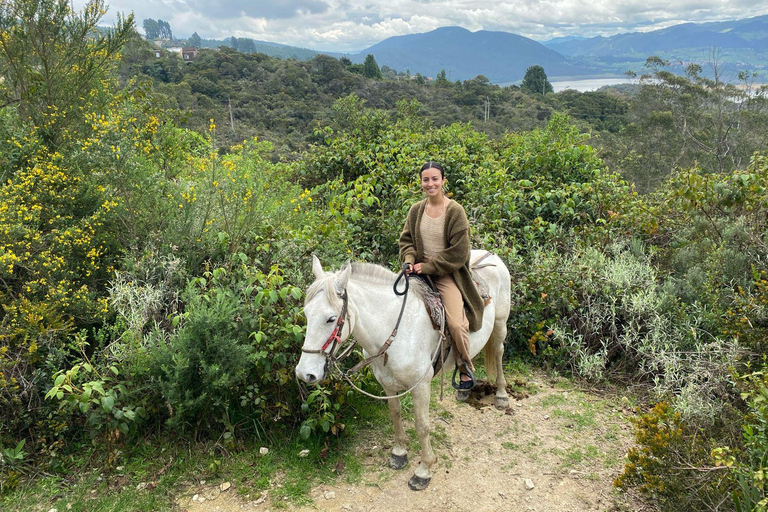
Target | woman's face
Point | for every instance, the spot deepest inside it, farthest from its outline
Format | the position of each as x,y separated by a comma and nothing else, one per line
432,181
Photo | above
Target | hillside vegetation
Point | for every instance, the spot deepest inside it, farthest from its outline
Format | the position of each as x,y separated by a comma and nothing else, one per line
153,258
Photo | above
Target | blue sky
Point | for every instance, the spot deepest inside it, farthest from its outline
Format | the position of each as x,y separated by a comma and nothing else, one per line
347,26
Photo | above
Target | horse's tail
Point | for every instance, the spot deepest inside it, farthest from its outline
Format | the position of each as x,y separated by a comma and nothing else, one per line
491,353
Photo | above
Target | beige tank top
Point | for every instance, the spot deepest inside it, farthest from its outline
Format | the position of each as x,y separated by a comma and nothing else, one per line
432,235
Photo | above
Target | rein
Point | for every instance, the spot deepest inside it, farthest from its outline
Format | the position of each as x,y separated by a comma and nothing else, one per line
335,339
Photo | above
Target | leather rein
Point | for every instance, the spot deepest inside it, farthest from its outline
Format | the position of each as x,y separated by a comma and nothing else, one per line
335,338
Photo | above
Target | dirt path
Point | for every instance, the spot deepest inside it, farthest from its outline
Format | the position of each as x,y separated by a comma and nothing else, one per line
567,444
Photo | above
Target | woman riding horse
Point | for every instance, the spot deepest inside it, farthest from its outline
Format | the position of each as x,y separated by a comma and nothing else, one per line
435,242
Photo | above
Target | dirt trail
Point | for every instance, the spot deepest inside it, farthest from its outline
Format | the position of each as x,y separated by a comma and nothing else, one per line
568,444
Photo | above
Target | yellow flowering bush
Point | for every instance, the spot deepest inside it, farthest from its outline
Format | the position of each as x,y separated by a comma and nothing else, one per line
57,252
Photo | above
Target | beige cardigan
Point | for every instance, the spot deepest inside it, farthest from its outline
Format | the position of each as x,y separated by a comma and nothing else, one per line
453,260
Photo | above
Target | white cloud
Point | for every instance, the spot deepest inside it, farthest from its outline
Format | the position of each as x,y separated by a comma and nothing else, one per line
345,25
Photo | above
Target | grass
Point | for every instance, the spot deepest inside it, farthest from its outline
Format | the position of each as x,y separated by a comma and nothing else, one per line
151,473
155,471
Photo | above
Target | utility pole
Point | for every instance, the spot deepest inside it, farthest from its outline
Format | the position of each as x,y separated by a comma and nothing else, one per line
487,108
231,118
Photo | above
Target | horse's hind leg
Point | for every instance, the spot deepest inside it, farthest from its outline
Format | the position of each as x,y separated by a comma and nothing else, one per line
494,355
399,456
423,474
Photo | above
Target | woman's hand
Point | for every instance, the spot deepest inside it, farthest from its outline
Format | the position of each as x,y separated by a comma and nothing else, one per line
411,268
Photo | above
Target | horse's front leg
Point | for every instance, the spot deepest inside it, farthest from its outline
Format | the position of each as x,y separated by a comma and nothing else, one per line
399,456
423,474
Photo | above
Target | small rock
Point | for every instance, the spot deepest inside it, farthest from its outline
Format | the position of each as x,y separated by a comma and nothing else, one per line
263,450
503,496
565,395
194,498
529,484
120,468
201,500
225,486
346,506
546,417
519,404
303,453
53,510
202,482
329,495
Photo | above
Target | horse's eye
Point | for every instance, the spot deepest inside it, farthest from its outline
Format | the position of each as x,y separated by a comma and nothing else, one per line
331,319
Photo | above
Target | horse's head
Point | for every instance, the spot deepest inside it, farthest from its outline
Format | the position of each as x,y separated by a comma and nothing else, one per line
328,321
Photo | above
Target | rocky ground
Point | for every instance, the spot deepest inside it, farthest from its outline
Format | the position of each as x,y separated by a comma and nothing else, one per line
556,448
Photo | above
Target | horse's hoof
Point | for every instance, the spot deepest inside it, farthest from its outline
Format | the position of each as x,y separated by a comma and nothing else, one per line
462,395
398,461
502,402
416,483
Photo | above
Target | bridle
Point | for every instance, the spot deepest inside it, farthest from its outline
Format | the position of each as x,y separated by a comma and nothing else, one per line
335,338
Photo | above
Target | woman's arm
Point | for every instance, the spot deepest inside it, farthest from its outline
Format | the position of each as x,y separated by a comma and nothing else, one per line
406,243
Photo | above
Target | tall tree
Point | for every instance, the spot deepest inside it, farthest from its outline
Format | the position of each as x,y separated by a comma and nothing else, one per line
165,29
151,28
247,45
536,81
53,60
195,40
370,68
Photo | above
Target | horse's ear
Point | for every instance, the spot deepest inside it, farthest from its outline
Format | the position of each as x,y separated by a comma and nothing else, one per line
343,279
317,268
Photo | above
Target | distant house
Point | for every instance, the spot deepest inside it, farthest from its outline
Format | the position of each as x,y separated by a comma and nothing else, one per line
188,54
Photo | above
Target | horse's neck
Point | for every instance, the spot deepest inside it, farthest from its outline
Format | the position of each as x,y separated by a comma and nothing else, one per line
376,311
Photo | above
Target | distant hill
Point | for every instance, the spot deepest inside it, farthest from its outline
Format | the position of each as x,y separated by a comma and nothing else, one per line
503,57
748,34
282,51
499,56
563,39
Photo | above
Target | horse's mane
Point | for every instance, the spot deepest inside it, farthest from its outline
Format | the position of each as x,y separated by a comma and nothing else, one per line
362,272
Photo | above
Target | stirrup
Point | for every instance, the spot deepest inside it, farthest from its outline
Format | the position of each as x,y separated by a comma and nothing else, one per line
463,385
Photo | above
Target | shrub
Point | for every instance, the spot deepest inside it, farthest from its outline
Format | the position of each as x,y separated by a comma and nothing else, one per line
672,464
626,326
228,363
750,472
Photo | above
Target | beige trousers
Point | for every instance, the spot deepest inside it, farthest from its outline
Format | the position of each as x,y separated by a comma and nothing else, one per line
455,317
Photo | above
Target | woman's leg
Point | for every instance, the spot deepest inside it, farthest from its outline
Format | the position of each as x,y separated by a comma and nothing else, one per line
455,318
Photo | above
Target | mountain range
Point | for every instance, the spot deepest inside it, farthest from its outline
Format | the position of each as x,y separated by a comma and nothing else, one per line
503,57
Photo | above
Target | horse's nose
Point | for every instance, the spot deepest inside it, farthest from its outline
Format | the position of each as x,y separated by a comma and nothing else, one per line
309,378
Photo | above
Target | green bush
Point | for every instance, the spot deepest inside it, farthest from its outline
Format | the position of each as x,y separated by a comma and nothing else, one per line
672,464
228,363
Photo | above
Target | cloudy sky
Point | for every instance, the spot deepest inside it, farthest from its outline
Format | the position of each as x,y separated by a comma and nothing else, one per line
350,26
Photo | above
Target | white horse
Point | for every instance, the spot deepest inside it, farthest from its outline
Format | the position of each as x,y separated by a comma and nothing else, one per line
359,301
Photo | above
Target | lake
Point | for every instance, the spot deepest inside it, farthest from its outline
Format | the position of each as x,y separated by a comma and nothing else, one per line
590,84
